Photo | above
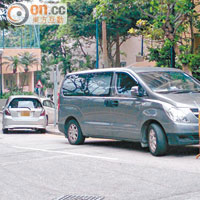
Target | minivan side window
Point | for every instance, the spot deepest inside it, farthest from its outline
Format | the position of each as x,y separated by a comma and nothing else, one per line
94,84
74,85
99,84
124,84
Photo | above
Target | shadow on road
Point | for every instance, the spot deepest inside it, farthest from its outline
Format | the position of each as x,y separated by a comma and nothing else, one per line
24,132
183,151
177,151
117,145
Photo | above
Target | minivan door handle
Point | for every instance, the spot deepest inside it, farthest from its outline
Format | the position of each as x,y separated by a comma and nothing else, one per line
114,103
110,103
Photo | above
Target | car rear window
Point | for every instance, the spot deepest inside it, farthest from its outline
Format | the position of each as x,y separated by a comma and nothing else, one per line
25,103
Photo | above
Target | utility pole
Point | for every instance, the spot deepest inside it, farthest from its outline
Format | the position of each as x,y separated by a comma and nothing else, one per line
105,48
97,37
97,43
142,46
172,51
1,84
55,93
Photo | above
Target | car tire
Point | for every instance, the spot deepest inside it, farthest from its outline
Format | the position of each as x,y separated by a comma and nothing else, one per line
157,140
5,131
42,130
74,133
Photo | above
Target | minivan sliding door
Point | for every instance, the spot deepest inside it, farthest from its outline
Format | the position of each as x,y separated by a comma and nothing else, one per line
97,120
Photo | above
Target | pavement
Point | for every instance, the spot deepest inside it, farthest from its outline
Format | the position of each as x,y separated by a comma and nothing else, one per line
36,166
51,129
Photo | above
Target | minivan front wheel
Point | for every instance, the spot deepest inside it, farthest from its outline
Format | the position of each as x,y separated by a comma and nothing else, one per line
157,140
74,133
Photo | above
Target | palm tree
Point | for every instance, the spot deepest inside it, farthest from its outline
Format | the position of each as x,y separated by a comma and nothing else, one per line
28,60
12,63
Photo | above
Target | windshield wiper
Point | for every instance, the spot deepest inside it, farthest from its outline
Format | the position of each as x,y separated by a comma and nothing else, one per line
181,91
174,91
187,91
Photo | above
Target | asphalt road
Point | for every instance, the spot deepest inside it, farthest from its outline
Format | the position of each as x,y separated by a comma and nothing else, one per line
37,166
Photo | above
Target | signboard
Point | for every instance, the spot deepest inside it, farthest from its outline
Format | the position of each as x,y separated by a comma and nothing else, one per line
39,84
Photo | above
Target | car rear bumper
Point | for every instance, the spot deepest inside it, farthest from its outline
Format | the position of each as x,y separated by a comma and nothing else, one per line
10,123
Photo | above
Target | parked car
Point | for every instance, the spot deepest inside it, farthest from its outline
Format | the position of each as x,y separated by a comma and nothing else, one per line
49,107
154,106
24,112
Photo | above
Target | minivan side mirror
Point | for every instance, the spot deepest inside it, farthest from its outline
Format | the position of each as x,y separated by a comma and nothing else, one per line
135,91
3,107
138,91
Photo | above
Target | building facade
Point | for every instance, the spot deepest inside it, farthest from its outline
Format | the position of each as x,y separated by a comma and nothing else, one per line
12,43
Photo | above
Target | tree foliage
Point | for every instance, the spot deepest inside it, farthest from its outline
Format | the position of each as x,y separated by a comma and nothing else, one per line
12,63
120,16
175,20
3,9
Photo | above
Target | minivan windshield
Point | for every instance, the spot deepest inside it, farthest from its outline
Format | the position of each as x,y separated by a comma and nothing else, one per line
170,82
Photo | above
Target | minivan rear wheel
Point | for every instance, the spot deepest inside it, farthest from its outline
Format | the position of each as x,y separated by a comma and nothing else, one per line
157,140
74,133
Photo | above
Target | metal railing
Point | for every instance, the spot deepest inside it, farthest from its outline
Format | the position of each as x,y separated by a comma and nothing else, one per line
20,37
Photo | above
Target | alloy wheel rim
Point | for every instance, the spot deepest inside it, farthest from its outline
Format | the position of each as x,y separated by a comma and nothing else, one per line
73,132
152,140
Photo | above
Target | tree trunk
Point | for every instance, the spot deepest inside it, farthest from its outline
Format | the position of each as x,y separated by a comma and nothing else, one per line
118,61
192,35
105,49
186,69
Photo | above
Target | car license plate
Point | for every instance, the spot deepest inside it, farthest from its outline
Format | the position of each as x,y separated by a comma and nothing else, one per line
25,113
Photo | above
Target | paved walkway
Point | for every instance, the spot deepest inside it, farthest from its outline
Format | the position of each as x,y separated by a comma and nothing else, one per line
53,130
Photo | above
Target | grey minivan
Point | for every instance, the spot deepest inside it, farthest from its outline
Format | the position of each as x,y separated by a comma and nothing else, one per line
157,107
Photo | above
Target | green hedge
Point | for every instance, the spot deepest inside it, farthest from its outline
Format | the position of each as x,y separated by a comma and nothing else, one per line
8,94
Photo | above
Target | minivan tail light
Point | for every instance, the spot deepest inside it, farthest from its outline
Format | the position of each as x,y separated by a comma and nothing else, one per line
43,113
7,112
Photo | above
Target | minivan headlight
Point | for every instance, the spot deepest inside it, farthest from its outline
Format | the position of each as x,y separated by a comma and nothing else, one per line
177,114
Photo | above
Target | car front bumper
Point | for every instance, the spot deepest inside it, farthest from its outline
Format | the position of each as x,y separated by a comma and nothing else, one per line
183,138
182,134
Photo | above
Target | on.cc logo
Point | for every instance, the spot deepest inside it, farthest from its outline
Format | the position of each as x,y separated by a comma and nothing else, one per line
17,14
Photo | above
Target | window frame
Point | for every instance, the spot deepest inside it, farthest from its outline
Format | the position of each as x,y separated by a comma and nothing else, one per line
51,104
115,84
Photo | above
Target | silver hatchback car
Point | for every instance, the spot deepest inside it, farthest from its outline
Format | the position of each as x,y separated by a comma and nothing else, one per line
24,112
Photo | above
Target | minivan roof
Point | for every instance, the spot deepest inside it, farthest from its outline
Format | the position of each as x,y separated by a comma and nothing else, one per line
129,68
151,69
